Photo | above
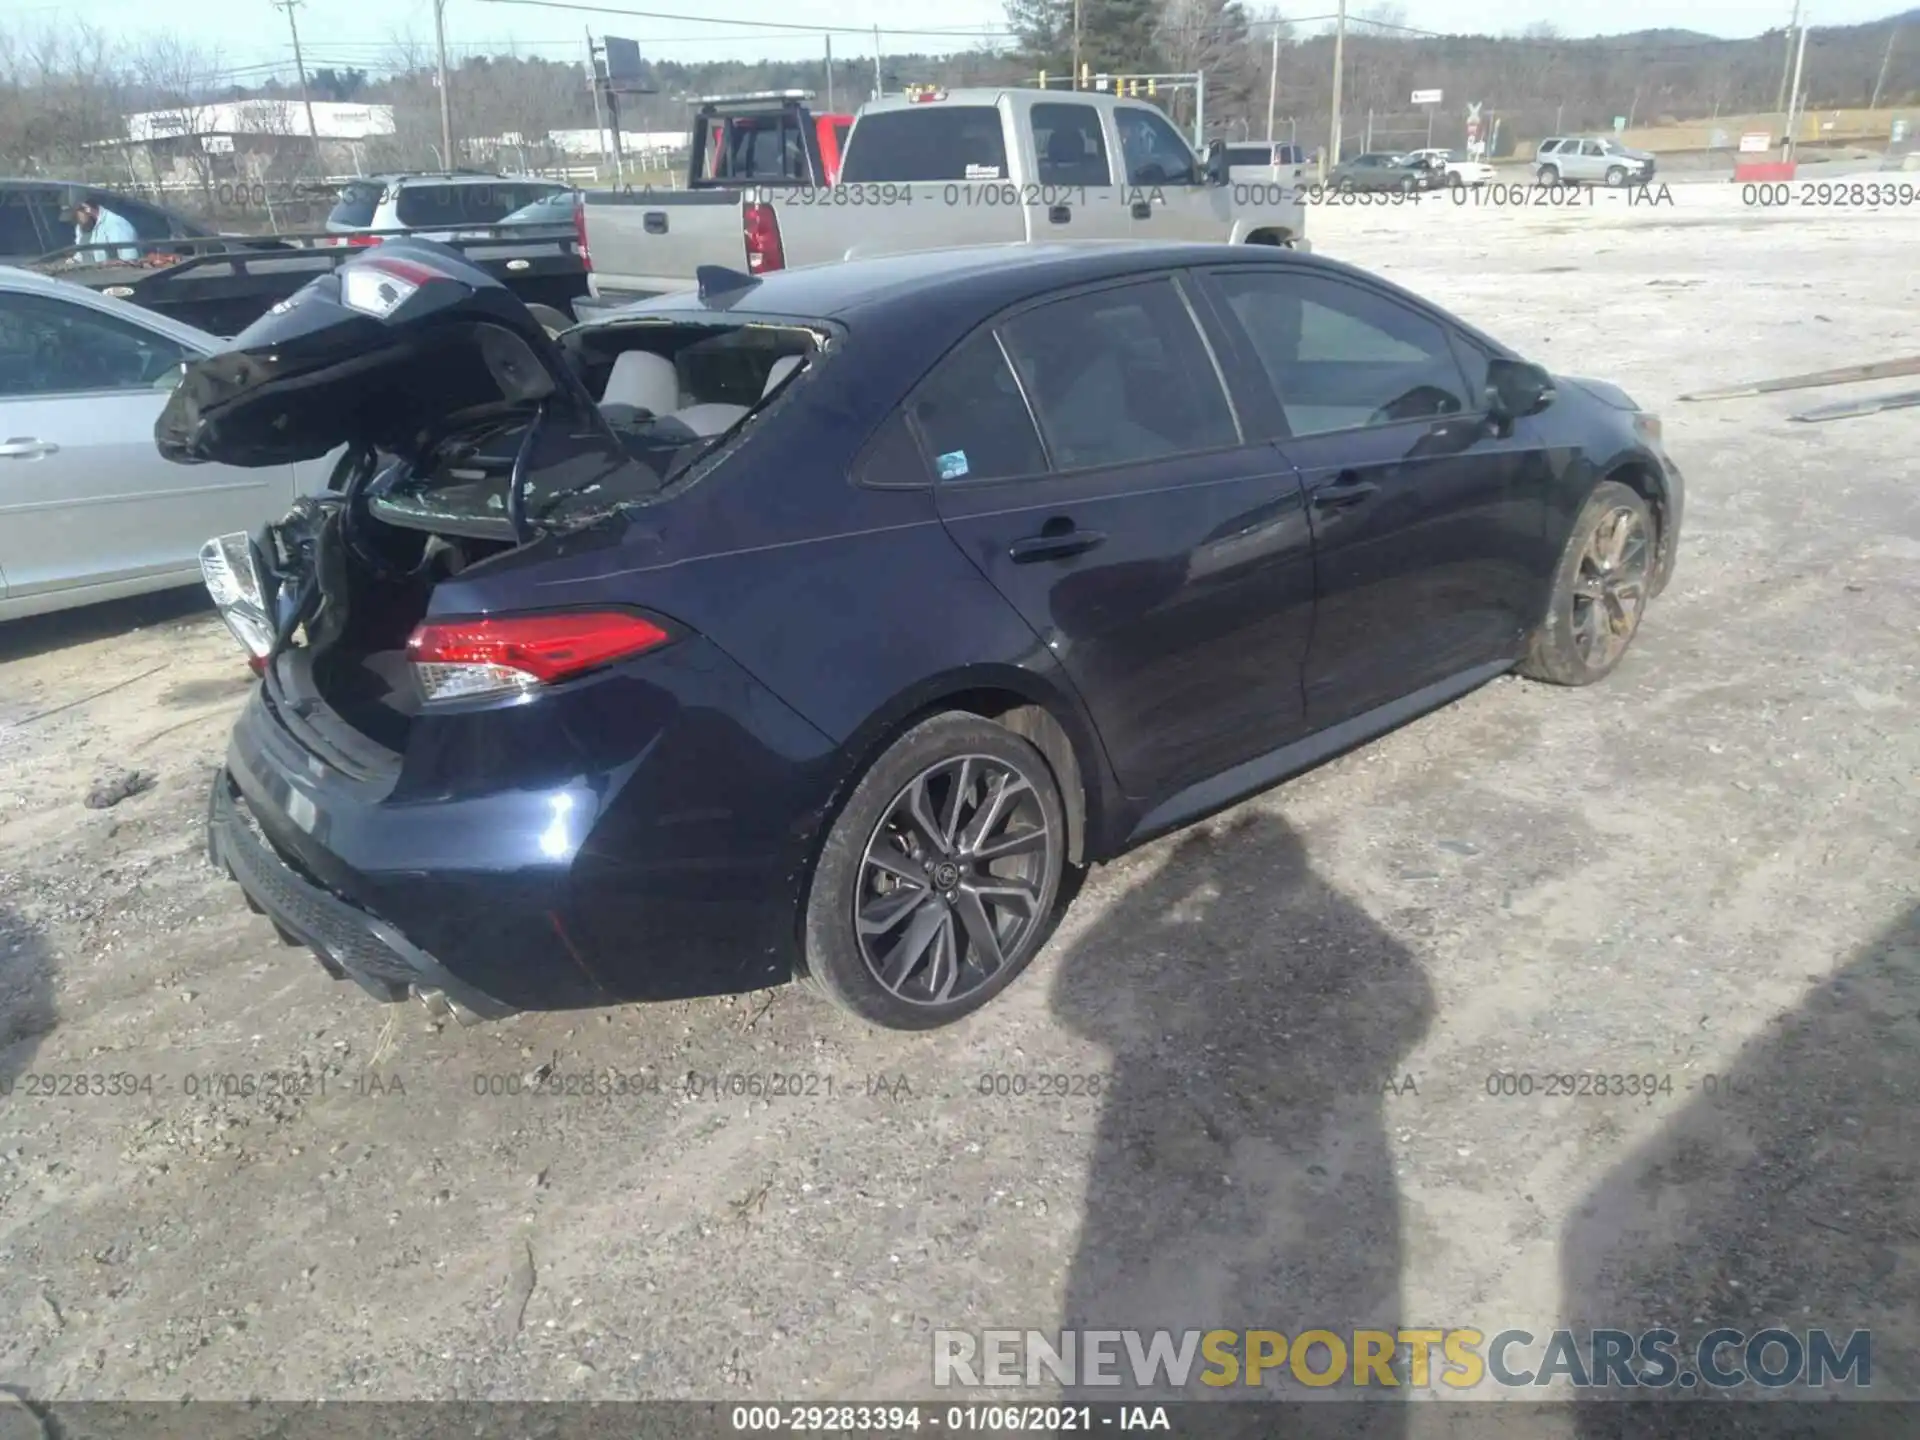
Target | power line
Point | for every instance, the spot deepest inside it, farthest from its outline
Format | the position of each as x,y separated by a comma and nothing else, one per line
788,26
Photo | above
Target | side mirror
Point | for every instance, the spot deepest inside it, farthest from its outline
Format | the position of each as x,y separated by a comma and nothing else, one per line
1217,166
1517,388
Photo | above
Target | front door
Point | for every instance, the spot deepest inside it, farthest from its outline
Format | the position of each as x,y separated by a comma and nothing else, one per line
1428,518
84,495
1160,554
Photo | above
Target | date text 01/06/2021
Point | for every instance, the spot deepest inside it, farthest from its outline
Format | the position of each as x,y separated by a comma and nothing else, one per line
961,1419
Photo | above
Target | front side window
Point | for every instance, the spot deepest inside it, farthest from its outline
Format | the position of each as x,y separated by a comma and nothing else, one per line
54,347
1119,376
971,418
1343,358
1068,145
1154,152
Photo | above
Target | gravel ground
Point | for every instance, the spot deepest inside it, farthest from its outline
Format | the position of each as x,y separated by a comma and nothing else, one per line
1705,867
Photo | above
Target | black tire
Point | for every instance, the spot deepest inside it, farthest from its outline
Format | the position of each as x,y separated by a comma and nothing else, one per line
1407,185
1549,175
1591,618
935,754
1616,177
1345,187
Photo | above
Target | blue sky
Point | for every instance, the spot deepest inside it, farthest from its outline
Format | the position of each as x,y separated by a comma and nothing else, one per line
346,32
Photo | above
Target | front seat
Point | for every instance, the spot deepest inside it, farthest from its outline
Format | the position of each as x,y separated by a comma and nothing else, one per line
1067,155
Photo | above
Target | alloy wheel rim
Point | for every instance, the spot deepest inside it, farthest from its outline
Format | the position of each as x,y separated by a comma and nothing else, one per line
952,879
1611,586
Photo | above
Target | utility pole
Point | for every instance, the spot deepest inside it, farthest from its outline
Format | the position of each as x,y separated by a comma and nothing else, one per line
1885,61
829,72
879,80
1076,45
446,111
306,99
1786,61
1332,157
1273,80
593,88
1793,99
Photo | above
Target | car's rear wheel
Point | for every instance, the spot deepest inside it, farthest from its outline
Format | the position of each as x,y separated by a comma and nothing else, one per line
938,881
1599,590
1549,175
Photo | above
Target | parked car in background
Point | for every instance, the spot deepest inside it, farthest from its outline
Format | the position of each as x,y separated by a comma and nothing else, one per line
88,509
1255,162
814,625
446,206
1381,170
1576,160
555,209
31,227
1457,167
942,168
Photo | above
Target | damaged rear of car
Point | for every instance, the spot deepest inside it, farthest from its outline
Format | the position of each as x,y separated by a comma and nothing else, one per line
460,776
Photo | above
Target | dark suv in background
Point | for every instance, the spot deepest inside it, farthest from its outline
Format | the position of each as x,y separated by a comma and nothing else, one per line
30,223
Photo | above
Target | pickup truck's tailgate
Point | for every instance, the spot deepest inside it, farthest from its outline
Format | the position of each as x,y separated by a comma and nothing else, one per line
652,242
894,219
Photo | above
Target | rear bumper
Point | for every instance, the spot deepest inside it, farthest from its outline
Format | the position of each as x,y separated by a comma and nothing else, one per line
348,942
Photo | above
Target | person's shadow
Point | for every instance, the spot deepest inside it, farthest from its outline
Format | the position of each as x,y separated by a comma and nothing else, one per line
1784,1192
1242,1176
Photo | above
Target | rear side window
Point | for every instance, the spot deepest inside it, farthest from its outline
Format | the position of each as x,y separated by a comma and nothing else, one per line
1068,145
972,421
19,235
429,205
928,142
355,206
756,147
1240,156
1119,376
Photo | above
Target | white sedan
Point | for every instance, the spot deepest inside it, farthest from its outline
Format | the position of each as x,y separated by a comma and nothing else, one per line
88,509
1461,168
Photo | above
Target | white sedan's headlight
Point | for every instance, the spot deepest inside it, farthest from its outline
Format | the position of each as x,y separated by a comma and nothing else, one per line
226,564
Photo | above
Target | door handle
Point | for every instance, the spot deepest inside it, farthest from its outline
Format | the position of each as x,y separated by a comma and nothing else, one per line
1060,214
1054,545
25,447
1347,489
1142,210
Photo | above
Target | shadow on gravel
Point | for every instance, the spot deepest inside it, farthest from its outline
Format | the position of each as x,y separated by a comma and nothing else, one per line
1788,1197
26,997
1242,1176
42,634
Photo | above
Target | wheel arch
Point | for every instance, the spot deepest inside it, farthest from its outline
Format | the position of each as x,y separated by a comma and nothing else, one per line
1641,475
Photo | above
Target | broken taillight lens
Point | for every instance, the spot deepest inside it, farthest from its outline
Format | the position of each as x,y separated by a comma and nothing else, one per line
464,659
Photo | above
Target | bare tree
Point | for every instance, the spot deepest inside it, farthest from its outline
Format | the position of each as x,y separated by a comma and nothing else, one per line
177,82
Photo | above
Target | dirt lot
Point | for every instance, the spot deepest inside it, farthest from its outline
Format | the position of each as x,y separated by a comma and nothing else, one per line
1705,867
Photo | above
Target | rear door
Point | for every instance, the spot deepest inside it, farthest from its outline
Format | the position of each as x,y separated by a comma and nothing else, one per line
1156,547
84,495
1073,196
1428,519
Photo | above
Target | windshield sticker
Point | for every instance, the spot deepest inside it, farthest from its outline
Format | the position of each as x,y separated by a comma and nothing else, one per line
952,465
983,172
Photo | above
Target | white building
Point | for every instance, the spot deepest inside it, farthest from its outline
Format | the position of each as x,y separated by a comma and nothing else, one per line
287,118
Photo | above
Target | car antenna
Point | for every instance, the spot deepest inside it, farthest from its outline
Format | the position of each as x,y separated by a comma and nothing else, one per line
719,280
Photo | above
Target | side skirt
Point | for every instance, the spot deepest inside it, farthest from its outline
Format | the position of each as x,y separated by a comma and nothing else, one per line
1207,796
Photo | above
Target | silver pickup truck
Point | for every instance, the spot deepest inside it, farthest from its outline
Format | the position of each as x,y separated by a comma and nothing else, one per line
944,168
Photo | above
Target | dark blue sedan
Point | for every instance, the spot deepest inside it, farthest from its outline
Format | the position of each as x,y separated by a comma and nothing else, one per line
814,625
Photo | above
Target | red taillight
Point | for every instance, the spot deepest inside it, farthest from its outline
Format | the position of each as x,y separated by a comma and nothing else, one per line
359,240
455,658
764,251
580,231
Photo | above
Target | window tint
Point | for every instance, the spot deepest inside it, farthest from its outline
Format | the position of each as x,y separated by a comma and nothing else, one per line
355,206
928,142
428,205
19,236
971,418
1591,147
1069,146
757,147
53,347
1120,375
1547,147
1248,155
892,459
1342,358
1155,153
